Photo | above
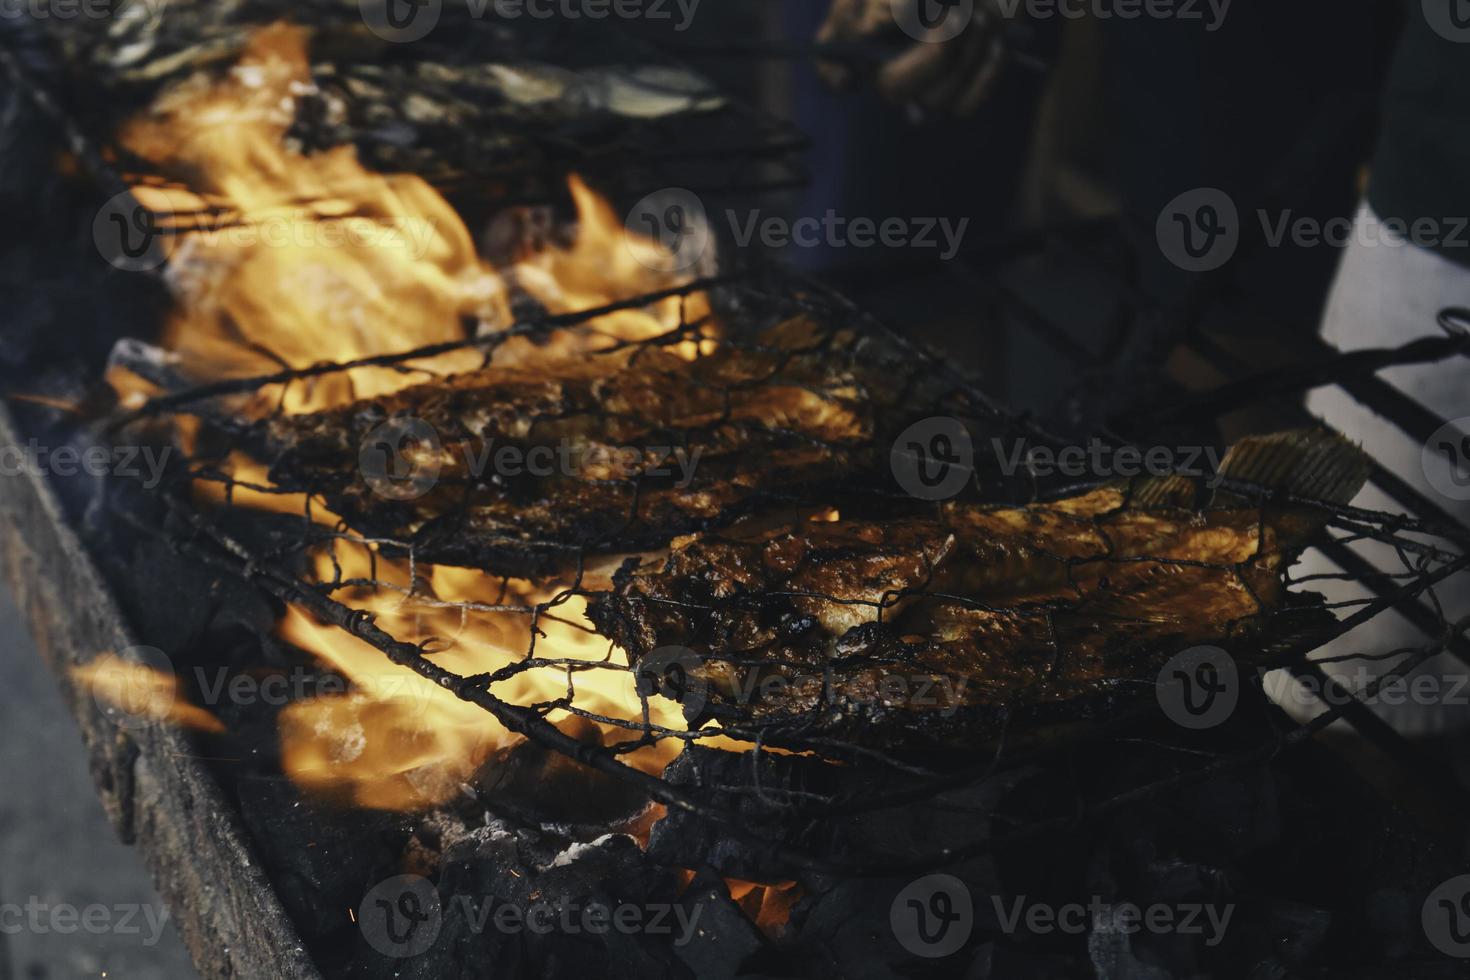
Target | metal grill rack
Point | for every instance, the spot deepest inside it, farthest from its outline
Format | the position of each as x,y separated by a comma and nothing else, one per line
1431,551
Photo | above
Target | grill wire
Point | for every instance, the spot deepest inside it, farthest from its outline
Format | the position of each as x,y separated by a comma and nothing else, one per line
1428,553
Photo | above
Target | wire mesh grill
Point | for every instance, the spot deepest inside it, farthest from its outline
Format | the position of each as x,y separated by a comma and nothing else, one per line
357,578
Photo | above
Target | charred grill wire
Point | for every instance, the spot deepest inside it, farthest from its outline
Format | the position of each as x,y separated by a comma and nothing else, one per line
796,780
1275,634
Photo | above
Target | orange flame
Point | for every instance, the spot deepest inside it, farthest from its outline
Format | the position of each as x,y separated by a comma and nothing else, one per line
288,260
300,259
142,692
402,742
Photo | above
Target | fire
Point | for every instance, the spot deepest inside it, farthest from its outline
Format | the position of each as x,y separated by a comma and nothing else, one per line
402,742
142,691
282,259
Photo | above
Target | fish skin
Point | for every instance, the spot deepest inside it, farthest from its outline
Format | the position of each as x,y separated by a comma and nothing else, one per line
1017,616
785,418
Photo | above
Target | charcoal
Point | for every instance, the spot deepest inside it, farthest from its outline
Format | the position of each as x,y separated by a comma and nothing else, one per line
494,867
688,841
725,937
321,859
541,785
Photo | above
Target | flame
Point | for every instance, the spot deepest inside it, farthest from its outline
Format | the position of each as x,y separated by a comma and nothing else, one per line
284,259
142,691
400,741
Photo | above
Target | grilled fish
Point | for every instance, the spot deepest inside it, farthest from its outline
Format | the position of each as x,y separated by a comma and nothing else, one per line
946,627
615,452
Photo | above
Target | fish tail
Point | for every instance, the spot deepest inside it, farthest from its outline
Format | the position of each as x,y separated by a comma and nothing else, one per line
1316,463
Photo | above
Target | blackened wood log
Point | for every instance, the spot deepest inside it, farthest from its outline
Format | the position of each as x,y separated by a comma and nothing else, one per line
157,794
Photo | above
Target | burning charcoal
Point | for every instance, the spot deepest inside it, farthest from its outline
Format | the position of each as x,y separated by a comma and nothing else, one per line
683,840
514,906
541,785
724,938
321,858
847,931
